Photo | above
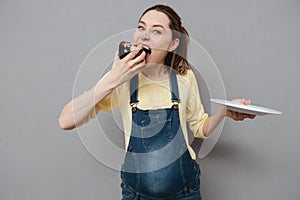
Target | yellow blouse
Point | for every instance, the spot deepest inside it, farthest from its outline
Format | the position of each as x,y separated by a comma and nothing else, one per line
155,95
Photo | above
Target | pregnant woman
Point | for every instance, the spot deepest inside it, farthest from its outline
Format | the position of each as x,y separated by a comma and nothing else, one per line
157,95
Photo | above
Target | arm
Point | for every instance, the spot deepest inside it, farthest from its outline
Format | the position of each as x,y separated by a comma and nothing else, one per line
78,110
212,122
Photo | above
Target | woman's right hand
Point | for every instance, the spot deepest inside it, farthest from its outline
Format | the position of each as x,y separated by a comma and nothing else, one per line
76,112
124,69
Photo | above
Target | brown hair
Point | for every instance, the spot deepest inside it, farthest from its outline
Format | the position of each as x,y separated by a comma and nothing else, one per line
178,58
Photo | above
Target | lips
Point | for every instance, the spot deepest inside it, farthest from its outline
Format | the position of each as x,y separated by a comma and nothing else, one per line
146,48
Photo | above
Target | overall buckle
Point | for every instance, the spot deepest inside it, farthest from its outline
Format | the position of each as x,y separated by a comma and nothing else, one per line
176,103
134,106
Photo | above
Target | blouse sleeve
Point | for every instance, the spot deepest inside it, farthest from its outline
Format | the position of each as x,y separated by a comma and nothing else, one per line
195,113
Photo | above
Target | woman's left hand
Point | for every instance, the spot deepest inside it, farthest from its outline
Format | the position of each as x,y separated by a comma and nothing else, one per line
238,116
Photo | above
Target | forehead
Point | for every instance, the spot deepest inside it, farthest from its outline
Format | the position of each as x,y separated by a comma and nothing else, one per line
154,17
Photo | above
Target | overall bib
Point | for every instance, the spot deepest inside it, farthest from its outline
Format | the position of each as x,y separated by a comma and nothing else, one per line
158,164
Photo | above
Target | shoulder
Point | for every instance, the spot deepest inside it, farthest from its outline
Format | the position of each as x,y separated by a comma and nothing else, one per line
188,78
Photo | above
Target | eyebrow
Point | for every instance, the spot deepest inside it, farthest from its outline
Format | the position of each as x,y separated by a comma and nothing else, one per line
155,25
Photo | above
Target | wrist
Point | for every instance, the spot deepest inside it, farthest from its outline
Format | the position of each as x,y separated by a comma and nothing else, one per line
223,112
108,81
103,88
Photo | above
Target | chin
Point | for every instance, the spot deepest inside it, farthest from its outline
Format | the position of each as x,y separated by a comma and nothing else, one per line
150,60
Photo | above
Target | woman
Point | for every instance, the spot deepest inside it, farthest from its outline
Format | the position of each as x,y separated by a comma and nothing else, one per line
157,94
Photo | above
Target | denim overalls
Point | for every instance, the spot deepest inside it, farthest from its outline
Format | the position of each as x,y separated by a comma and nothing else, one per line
157,164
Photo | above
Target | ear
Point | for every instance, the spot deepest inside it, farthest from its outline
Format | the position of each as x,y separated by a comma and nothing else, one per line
173,44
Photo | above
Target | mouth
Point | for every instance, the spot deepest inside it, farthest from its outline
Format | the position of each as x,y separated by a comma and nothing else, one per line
147,49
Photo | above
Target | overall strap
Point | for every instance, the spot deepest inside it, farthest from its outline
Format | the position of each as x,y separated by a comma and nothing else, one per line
134,83
174,89
174,86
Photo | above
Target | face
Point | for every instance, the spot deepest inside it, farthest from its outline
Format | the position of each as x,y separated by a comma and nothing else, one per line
153,31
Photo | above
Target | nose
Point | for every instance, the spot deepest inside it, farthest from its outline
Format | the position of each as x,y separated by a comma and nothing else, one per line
145,35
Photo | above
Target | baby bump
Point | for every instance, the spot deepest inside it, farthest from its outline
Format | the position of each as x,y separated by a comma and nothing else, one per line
166,181
162,182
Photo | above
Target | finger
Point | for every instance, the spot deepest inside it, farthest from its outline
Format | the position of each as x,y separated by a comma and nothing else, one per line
245,101
243,116
134,70
139,66
251,116
248,116
238,116
232,114
137,60
227,113
235,115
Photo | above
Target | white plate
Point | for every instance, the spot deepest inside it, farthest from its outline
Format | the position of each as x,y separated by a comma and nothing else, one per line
248,109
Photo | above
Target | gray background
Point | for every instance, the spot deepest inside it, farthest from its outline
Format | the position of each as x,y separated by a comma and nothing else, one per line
255,44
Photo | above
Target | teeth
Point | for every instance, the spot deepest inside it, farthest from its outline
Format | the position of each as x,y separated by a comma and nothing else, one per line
147,49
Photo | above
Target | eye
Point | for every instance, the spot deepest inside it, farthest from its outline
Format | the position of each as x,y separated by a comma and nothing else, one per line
141,28
156,32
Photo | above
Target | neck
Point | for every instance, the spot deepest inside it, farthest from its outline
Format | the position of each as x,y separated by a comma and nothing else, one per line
156,72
